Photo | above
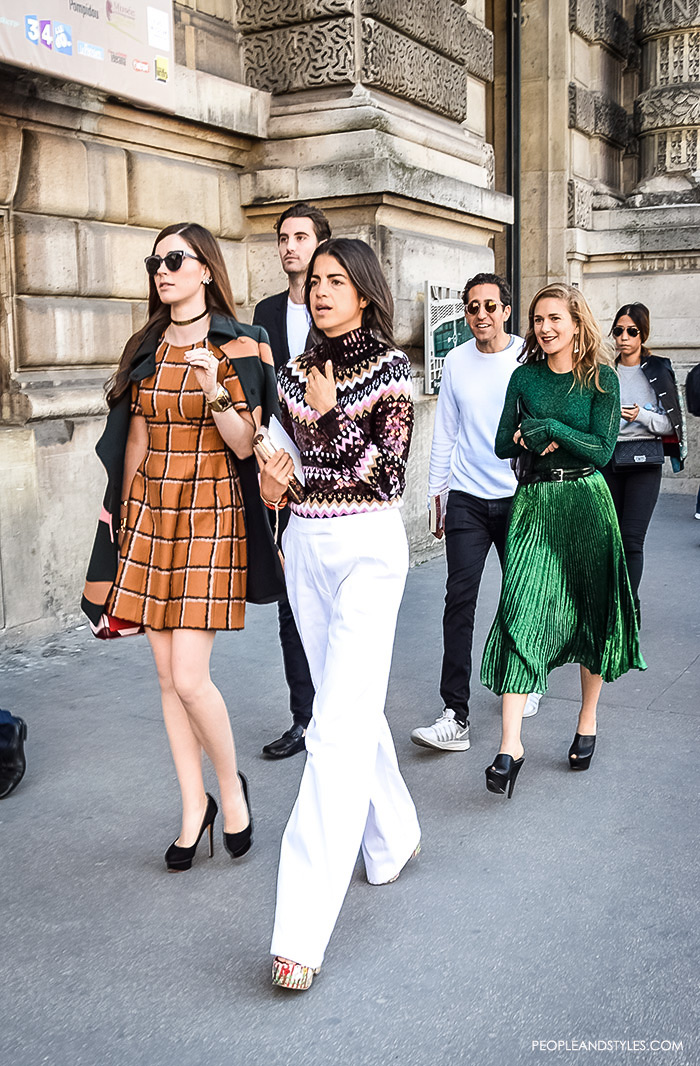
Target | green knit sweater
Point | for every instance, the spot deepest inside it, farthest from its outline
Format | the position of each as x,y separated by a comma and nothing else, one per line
584,422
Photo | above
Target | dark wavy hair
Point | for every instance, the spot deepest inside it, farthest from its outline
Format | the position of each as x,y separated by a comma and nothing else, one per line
322,226
639,313
365,272
591,353
218,297
489,279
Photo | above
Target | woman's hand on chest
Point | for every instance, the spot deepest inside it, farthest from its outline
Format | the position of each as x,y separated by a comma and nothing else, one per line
206,368
321,394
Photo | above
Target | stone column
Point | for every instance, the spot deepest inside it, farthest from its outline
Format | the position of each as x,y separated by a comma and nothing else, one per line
379,116
667,111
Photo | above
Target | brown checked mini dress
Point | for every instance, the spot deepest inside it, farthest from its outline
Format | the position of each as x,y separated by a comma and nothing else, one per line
182,561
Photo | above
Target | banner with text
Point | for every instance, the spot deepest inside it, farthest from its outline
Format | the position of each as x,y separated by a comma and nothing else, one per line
124,47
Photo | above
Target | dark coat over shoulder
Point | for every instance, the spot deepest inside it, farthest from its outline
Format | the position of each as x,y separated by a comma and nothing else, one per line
248,350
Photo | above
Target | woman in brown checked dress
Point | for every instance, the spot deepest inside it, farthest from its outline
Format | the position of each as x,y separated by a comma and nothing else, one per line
182,569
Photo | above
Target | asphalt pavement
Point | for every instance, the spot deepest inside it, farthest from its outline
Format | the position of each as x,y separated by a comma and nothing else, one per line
560,926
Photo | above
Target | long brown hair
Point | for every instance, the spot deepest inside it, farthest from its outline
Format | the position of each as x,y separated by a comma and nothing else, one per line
639,313
591,353
218,297
365,272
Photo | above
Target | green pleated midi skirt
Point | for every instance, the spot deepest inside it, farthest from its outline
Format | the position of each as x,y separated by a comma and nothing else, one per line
565,596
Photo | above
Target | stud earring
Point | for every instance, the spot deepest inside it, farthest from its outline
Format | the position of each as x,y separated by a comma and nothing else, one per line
205,281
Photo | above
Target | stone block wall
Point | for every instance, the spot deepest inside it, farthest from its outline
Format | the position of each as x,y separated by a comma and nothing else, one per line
612,191
85,185
385,128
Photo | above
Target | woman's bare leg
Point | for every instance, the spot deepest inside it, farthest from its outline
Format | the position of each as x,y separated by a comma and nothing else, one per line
208,718
512,713
184,745
591,684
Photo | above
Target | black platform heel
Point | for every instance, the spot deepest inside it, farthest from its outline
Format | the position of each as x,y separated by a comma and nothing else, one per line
177,858
503,773
581,752
237,844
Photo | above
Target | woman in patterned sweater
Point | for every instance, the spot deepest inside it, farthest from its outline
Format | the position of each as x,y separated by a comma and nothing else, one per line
347,404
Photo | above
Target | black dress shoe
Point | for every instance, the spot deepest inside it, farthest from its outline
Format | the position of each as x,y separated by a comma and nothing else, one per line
13,733
288,744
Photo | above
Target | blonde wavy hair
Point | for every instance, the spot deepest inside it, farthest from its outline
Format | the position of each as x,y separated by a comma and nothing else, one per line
592,351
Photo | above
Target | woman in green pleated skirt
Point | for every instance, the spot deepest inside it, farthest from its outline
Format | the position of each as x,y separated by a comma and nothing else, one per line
565,596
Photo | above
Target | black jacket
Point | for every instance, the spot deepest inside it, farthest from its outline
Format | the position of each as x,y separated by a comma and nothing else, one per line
271,314
659,373
248,350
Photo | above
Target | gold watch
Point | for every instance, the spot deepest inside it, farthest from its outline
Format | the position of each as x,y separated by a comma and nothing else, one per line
222,401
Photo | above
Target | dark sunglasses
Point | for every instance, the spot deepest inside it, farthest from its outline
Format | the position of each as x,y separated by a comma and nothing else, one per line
490,306
173,261
631,331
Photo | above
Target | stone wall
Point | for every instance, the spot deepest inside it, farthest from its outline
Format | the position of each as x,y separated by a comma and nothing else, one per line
384,127
612,192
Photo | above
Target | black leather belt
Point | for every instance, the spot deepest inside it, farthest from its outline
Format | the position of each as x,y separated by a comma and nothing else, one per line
564,475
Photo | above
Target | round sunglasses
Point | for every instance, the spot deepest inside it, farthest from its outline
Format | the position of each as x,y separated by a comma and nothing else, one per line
631,331
490,306
173,261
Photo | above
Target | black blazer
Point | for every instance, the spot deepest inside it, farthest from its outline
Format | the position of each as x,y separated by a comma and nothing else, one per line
271,314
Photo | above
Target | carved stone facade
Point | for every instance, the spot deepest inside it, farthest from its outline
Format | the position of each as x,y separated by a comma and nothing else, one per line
422,51
390,115
667,111
600,21
376,111
580,205
596,114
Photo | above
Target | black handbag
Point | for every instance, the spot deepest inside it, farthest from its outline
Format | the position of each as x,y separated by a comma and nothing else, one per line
523,464
637,453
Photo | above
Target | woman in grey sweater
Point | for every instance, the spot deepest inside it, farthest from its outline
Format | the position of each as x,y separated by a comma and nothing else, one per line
651,425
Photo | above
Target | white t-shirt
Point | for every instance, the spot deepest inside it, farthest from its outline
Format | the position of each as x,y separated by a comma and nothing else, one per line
469,409
298,326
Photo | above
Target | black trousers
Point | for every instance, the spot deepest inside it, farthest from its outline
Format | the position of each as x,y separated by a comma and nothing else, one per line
296,667
472,525
634,494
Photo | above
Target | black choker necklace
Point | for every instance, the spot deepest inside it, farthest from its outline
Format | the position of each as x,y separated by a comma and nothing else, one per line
189,321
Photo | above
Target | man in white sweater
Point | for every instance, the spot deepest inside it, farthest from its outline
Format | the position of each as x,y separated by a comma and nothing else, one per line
475,377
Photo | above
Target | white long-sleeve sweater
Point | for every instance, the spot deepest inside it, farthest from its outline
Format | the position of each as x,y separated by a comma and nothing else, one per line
469,409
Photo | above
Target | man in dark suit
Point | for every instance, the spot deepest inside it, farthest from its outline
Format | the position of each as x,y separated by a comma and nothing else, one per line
300,229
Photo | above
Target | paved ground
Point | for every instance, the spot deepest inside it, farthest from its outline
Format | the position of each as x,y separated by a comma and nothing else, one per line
567,914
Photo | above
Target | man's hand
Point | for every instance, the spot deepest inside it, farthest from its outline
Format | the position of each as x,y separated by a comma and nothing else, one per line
320,389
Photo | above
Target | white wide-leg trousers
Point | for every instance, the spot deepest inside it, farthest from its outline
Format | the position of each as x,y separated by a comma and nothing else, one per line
345,579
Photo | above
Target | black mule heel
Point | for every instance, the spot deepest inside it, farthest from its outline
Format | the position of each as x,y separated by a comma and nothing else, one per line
503,773
237,844
581,752
177,858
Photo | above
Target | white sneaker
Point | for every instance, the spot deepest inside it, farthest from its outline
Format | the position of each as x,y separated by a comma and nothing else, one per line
697,514
446,734
532,704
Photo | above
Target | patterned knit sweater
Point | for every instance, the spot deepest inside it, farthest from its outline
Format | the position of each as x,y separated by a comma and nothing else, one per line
354,456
